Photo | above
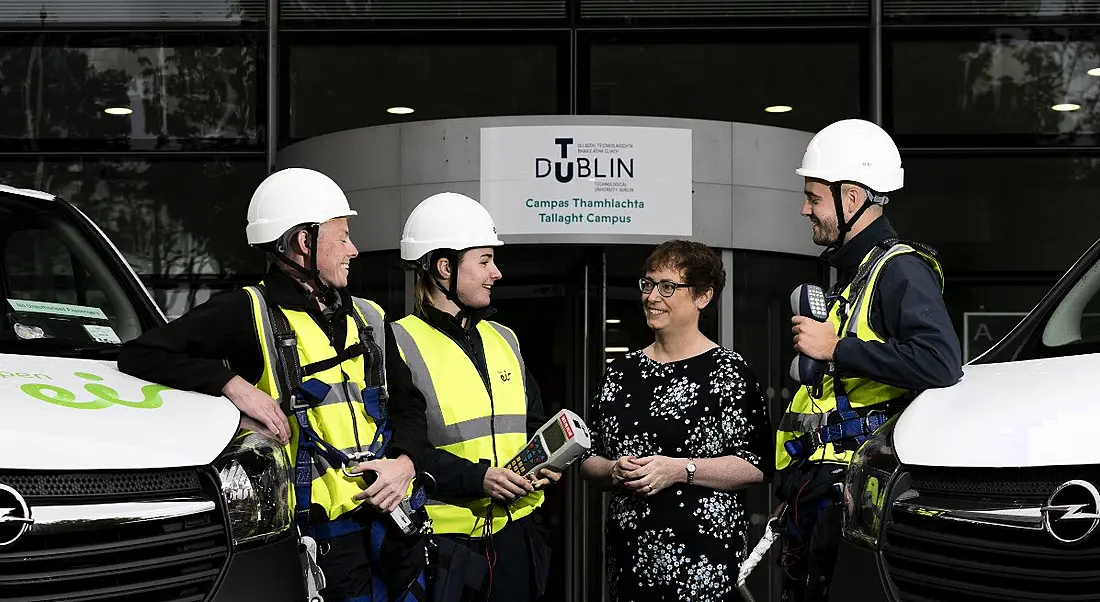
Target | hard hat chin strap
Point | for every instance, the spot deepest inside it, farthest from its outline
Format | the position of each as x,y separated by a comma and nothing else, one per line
311,276
844,226
451,291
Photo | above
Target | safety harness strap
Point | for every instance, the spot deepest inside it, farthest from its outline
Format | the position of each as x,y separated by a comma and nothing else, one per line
342,356
296,397
854,426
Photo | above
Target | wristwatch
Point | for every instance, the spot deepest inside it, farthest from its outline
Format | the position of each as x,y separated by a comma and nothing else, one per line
690,470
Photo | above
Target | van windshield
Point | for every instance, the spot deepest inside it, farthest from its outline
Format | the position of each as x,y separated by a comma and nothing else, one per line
62,296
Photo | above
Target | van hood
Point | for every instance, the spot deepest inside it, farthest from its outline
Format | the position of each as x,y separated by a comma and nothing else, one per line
78,414
1012,414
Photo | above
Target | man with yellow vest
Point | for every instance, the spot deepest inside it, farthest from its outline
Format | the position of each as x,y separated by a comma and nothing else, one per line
482,406
888,336
299,344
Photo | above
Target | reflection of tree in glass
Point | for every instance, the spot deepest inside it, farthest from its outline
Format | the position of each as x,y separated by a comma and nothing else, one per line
180,217
194,93
189,96
1011,82
48,92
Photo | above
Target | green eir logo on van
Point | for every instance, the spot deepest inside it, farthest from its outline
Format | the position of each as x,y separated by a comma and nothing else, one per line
104,396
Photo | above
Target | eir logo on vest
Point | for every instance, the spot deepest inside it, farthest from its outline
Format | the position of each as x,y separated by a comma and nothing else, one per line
504,375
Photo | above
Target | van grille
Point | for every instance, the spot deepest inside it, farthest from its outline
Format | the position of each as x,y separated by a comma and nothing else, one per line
931,559
175,559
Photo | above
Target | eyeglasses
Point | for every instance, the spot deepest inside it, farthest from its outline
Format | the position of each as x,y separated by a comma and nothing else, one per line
666,288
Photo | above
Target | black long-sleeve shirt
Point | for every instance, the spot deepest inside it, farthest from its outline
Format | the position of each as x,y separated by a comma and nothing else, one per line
191,352
458,479
921,350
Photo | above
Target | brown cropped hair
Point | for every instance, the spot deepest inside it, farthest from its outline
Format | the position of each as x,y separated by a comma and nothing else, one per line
701,266
425,280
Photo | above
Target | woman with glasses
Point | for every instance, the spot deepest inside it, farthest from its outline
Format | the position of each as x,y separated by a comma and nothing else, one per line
679,429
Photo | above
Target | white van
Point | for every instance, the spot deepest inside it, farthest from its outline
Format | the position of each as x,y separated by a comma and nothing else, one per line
988,490
112,488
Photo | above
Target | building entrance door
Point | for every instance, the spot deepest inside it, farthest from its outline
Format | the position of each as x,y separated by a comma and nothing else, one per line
572,307
551,296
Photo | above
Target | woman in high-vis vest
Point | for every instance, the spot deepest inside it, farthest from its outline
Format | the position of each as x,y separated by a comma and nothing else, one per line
300,345
482,406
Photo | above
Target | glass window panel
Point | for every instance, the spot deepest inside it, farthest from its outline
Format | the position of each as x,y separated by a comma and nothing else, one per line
56,93
999,86
177,218
1024,214
985,9
436,81
100,12
820,82
342,11
719,9
176,296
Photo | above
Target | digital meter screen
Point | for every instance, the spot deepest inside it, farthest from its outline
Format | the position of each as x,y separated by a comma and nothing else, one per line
555,437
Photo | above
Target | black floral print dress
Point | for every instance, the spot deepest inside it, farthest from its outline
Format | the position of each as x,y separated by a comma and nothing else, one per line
686,542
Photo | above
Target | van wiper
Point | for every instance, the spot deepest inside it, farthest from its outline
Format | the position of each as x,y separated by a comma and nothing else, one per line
77,351
52,348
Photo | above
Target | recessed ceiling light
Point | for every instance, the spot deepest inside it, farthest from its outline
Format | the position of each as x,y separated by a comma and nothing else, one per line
1095,72
399,110
613,320
118,110
1069,106
779,109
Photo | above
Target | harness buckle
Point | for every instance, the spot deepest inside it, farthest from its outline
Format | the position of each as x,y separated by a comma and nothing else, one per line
353,459
295,403
866,422
816,441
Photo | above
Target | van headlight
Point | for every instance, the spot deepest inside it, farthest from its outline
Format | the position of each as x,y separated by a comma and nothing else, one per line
870,475
255,479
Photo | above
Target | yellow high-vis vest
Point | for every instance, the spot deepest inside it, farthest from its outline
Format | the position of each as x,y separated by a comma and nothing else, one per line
806,414
340,419
467,419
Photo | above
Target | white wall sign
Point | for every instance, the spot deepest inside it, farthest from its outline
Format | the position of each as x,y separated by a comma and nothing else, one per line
587,179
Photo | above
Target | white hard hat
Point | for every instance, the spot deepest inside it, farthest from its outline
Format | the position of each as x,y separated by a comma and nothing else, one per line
291,197
447,220
854,150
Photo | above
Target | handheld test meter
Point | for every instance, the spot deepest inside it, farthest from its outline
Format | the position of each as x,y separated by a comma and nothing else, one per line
557,444
808,300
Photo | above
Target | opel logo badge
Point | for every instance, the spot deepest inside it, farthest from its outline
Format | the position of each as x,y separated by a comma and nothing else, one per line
15,516
1072,512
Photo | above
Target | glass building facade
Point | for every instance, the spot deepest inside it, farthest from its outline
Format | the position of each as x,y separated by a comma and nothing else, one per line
159,117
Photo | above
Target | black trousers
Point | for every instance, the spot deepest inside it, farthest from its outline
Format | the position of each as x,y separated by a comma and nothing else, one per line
346,565
515,564
814,519
345,561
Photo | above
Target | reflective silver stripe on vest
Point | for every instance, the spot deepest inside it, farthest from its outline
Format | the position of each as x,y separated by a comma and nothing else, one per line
272,353
439,432
378,329
479,427
794,422
422,381
853,319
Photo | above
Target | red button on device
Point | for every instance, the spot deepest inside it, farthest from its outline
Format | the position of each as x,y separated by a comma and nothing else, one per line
564,420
